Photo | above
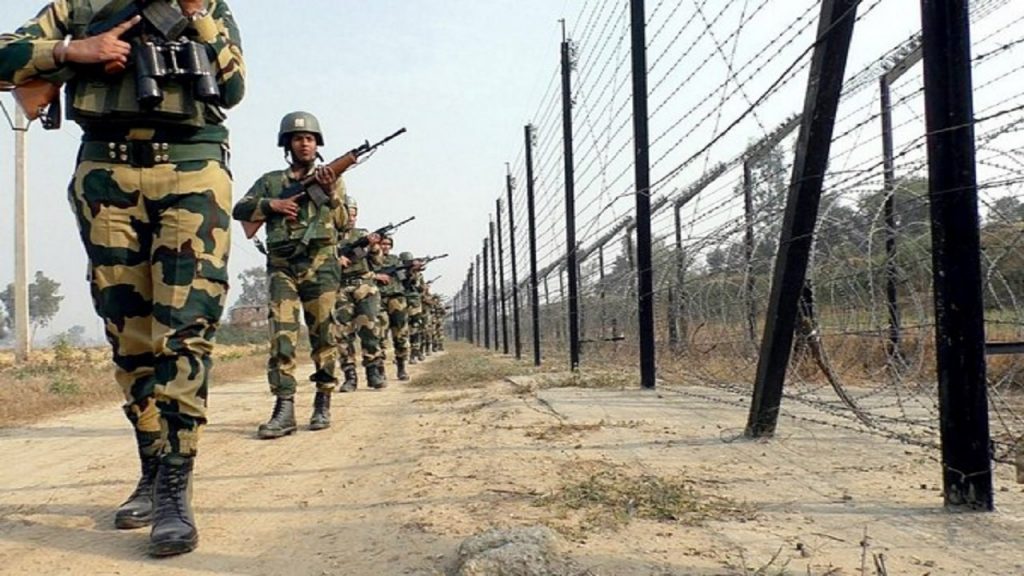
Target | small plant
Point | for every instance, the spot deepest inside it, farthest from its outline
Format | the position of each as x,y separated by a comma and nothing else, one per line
64,385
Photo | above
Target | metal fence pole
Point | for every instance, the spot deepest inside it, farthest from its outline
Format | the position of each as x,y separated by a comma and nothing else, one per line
570,206
532,223
516,333
501,278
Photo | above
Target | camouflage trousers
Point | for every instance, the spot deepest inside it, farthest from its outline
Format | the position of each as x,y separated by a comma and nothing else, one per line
427,331
157,240
414,313
397,324
308,281
356,313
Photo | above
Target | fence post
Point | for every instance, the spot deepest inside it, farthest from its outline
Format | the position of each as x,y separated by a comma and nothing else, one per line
956,256
748,251
600,272
825,82
645,272
501,279
570,204
532,223
486,310
516,334
494,283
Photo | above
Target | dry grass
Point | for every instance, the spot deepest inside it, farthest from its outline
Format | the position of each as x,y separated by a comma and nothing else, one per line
563,431
64,378
598,496
466,366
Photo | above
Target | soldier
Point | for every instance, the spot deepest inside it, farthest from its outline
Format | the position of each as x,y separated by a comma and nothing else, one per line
358,305
302,267
427,324
413,284
151,193
393,304
439,315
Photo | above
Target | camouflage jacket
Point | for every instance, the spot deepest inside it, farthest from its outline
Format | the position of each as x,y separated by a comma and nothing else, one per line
414,287
27,54
392,264
312,224
363,262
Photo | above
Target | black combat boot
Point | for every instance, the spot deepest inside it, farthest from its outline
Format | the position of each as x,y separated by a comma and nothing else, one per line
402,374
282,421
174,527
374,377
351,379
137,510
321,417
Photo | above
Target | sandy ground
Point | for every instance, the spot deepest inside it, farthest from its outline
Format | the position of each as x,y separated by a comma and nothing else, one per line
406,474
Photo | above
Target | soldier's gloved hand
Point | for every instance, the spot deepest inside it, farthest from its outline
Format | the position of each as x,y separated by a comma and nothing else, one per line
286,206
106,48
325,177
383,278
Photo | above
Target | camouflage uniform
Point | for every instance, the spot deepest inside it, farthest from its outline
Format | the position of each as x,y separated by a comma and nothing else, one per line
303,272
394,304
357,309
439,316
151,193
427,327
414,285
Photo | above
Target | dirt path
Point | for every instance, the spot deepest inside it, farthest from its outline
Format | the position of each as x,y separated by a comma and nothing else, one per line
407,473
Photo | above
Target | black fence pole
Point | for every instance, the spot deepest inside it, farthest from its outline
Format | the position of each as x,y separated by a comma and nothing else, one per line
486,311
824,85
516,334
501,279
889,185
476,302
748,251
600,276
494,284
680,326
532,223
956,255
570,205
645,272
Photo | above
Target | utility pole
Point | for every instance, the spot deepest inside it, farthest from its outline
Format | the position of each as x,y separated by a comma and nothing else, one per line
22,342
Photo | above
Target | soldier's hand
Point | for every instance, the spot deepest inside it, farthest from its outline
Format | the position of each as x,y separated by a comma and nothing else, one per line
189,7
373,238
106,48
286,206
345,262
325,177
383,278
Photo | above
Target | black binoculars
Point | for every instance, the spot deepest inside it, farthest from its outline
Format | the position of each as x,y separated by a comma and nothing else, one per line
183,59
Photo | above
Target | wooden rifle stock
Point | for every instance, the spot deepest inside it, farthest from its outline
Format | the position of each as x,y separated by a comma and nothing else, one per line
338,166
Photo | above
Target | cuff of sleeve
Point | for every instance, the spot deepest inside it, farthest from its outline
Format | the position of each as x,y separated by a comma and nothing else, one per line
206,28
264,208
42,55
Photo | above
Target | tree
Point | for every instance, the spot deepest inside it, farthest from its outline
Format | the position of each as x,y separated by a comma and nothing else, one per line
255,288
43,301
74,336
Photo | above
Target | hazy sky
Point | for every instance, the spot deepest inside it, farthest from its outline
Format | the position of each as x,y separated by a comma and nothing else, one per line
463,76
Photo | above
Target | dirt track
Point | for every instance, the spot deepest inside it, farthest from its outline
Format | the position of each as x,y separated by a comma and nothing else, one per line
406,474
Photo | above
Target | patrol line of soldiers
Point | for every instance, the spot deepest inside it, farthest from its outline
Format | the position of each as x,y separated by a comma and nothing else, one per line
342,278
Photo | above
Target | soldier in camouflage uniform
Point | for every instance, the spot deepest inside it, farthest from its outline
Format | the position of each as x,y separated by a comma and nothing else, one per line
151,193
393,303
439,314
426,346
358,305
414,284
302,268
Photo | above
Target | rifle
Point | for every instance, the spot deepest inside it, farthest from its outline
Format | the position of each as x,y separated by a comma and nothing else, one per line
40,97
313,190
434,279
393,270
349,250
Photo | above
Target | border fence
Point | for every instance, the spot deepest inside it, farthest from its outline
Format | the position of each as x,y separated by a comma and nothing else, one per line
862,254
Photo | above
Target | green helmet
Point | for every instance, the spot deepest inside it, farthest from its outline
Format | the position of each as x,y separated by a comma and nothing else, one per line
298,122
350,202
406,256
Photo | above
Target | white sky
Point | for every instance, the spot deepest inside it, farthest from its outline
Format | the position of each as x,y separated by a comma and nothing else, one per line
463,76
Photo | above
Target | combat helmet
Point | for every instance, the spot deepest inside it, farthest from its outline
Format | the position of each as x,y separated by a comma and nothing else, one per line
406,257
350,202
298,122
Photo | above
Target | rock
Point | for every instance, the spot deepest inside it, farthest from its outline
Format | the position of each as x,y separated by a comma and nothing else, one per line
530,551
